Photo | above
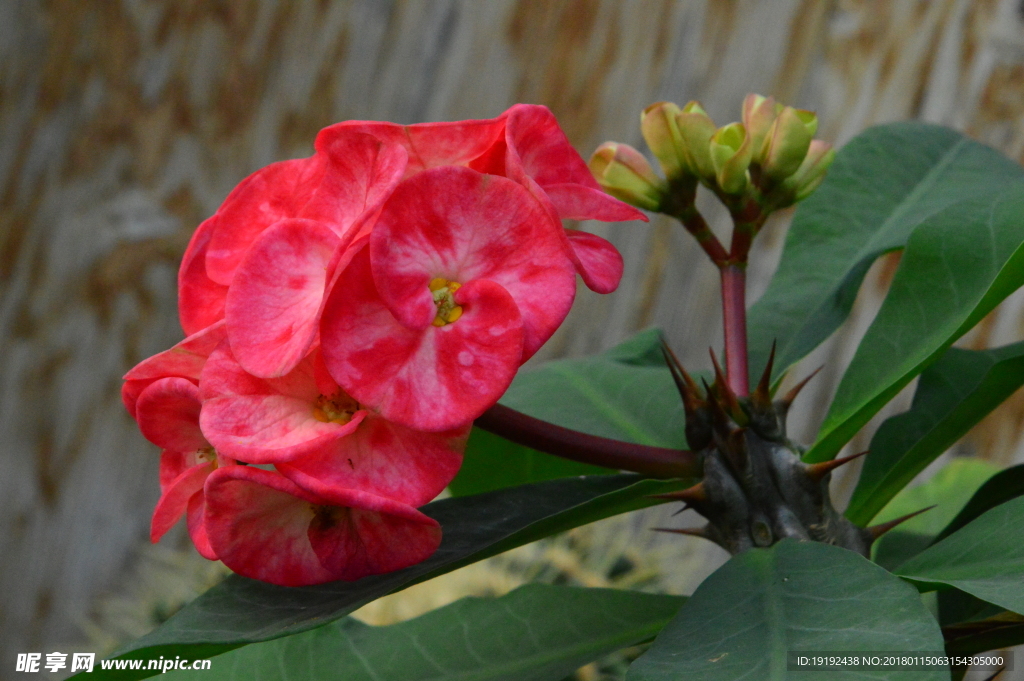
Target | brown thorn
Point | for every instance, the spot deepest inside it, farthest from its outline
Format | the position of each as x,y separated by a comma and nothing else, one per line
998,672
690,495
689,531
817,471
791,395
724,392
877,531
719,419
685,384
762,395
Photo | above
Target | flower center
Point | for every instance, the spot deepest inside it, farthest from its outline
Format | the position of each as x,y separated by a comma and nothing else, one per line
338,408
443,291
206,455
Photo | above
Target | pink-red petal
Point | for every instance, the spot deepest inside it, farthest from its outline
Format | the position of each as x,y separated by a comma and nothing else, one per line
432,379
261,420
428,144
274,302
168,415
386,459
174,500
462,225
265,527
600,263
200,299
273,193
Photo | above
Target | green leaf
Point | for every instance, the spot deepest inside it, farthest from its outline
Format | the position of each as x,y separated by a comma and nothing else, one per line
957,266
952,396
492,462
948,490
1000,488
985,558
535,633
796,596
1000,631
883,184
240,611
626,393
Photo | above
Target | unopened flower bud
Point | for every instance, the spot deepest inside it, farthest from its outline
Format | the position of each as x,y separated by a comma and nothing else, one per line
787,141
696,129
812,171
730,153
758,115
625,174
660,131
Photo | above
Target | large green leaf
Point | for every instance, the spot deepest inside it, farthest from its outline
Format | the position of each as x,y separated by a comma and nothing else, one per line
957,266
948,491
1001,487
535,633
883,184
985,558
626,393
240,611
953,395
796,596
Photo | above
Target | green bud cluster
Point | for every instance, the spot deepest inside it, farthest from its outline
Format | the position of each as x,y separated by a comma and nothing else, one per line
771,156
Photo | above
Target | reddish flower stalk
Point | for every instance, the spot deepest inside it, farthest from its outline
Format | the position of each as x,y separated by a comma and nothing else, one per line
734,319
546,437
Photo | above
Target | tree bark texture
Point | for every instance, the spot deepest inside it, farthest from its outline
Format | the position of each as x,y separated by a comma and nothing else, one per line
124,123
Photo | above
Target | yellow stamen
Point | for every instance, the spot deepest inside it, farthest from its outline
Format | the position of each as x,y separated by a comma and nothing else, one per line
443,291
338,408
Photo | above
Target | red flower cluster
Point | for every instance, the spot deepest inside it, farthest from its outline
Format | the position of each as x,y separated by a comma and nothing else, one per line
348,316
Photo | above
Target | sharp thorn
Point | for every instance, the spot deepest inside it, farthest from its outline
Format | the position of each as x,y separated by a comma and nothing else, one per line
719,419
725,393
998,672
791,395
690,495
762,395
817,471
685,507
876,531
685,384
689,531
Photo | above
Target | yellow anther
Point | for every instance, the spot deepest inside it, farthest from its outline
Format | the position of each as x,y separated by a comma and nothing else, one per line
338,408
443,291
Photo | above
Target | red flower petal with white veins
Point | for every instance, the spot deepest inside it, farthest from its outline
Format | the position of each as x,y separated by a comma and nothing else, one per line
461,225
200,299
600,262
168,415
542,152
184,360
196,520
266,527
428,144
273,193
174,501
274,301
360,172
261,420
432,379
384,458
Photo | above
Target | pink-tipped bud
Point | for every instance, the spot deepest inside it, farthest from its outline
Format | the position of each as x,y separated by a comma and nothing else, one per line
730,151
696,129
758,115
787,142
811,172
661,132
624,173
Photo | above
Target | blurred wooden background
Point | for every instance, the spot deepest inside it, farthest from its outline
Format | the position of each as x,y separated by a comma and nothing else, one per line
123,123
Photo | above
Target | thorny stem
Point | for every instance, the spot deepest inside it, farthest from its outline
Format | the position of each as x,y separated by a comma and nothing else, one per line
570,444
